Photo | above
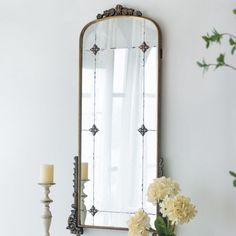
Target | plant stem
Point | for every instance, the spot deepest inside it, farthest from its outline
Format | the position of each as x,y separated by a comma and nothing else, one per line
226,65
230,35
168,224
151,230
232,67
173,229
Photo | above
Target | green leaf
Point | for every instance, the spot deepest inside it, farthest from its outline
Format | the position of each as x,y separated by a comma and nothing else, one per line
234,183
160,226
232,42
233,50
216,37
232,173
202,64
221,60
234,11
169,231
207,40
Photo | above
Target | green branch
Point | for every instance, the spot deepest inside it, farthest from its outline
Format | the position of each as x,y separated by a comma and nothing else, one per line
220,62
216,37
229,35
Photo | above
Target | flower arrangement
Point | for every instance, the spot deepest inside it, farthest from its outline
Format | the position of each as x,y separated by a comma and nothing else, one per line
173,208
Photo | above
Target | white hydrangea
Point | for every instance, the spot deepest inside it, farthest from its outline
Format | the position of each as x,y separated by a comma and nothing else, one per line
178,209
138,224
160,188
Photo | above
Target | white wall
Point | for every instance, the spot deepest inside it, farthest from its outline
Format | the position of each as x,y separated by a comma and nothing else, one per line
38,109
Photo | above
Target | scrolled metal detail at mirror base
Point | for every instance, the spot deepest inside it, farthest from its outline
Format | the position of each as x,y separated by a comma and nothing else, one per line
119,10
161,167
73,218
72,223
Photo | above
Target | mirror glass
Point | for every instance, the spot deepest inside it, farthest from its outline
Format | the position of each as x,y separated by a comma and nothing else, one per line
119,118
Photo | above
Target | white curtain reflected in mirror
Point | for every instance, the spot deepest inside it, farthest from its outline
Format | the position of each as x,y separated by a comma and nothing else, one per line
119,136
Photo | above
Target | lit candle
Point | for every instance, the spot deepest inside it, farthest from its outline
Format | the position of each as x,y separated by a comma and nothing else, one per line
46,174
84,170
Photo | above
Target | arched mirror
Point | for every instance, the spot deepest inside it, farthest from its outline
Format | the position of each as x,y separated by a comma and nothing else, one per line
119,96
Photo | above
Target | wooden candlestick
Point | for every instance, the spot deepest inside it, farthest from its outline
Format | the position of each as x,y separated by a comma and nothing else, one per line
47,215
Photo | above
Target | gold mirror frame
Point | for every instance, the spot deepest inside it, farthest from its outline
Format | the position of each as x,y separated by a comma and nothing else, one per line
119,11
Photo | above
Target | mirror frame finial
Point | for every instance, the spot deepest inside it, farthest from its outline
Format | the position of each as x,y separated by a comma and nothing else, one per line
119,10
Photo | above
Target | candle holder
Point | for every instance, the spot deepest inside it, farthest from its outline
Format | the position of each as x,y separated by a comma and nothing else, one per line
83,209
47,215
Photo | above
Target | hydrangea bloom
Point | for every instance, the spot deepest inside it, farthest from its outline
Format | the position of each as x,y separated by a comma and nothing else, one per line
139,223
160,188
178,209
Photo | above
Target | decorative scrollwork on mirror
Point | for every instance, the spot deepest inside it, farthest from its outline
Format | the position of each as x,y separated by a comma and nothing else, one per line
119,120
73,218
119,10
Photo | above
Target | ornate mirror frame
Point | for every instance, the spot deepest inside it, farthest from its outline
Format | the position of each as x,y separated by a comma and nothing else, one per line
74,224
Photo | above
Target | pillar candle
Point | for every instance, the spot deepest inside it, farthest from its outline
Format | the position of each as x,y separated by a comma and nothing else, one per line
46,174
84,170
